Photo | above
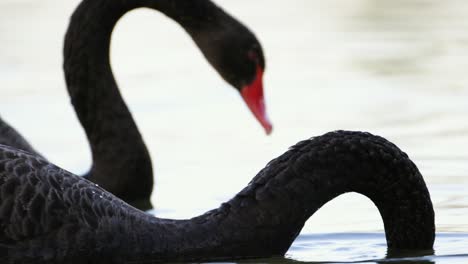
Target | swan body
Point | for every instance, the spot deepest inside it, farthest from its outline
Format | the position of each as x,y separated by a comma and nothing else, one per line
48,214
11,137
121,162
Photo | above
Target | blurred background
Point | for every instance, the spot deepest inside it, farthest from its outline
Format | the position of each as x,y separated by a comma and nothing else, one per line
398,69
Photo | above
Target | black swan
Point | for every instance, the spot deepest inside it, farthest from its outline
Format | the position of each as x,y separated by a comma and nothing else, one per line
121,163
48,214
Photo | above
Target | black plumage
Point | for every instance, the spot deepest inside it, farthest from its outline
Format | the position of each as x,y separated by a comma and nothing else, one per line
47,214
121,162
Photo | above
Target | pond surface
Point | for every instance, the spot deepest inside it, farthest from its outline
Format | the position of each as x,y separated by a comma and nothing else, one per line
394,68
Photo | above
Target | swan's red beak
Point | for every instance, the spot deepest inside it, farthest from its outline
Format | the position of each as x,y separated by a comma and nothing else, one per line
253,96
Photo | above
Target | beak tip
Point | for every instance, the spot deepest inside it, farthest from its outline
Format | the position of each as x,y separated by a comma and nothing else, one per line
268,128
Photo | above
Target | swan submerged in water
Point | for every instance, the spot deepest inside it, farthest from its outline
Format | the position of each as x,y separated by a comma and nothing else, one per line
121,162
48,214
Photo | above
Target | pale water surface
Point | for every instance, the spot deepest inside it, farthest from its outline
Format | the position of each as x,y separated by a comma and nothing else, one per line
396,68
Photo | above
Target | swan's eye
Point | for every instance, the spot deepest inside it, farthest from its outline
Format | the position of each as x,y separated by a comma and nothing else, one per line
253,56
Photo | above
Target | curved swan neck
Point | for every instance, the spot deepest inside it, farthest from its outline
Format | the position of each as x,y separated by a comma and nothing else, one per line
116,144
117,147
266,217
80,222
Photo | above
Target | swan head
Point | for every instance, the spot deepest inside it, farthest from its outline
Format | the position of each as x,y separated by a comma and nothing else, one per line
228,45
236,54
241,63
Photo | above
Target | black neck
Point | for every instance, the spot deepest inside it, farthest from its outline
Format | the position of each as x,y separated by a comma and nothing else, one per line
116,144
81,222
121,163
265,217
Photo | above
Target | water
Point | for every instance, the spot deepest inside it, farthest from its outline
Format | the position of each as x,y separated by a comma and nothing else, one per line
394,68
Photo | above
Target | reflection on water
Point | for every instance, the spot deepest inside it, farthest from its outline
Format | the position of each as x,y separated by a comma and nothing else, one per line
395,68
